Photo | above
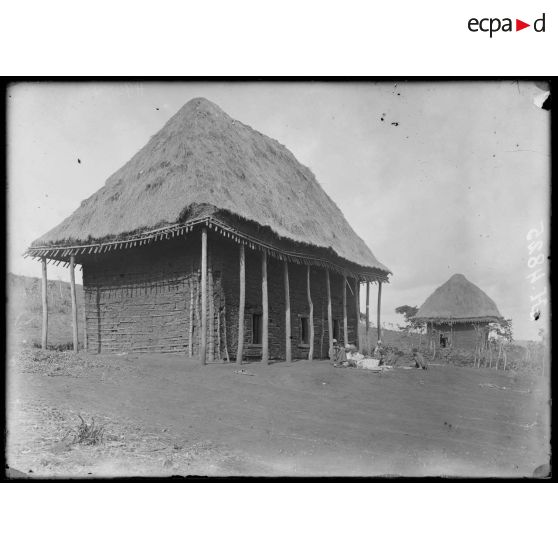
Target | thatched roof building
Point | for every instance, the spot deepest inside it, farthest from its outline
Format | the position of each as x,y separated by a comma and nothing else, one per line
204,172
458,300
205,166
456,309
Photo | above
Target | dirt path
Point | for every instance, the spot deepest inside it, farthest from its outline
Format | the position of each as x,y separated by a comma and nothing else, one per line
167,415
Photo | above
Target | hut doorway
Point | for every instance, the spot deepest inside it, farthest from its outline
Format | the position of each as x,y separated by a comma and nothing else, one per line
304,330
256,329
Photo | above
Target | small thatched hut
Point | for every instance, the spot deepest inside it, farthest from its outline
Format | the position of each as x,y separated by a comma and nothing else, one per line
457,314
215,241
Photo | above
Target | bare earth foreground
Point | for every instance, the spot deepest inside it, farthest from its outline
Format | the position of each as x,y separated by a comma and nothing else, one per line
166,415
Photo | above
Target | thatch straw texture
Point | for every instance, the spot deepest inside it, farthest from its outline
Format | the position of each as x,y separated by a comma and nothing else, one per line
458,300
204,158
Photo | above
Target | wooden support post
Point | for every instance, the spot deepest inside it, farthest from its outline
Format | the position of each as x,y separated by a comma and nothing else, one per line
198,311
345,323
310,314
74,302
451,334
45,305
218,329
379,307
288,356
84,323
225,342
241,305
98,324
191,284
203,328
85,342
211,310
367,306
329,316
357,310
265,312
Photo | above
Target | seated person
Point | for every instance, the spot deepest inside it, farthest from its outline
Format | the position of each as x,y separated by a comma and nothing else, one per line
337,355
420,362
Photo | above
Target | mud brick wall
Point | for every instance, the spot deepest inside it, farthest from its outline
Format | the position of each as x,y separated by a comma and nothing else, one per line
462,335
148,299
139,300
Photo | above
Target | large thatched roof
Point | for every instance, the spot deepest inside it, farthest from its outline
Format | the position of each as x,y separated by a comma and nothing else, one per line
458,300
202,158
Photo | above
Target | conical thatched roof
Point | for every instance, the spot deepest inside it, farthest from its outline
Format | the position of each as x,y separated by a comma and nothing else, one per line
458,300
202,158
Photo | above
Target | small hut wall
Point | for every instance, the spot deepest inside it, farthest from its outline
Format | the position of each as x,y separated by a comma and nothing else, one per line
462,335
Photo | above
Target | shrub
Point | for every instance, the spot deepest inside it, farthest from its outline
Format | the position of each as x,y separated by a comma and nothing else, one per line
87,434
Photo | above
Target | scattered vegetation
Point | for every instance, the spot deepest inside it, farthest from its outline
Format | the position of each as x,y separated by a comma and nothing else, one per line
87,434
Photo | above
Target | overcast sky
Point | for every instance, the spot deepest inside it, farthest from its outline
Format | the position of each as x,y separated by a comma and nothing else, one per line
450,181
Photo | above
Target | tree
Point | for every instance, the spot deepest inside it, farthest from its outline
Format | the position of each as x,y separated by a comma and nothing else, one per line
408,313
502,329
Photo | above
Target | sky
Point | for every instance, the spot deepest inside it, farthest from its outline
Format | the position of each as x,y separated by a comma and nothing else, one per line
437,177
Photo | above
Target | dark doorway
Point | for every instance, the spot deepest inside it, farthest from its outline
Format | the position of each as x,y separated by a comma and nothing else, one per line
304,331
257,329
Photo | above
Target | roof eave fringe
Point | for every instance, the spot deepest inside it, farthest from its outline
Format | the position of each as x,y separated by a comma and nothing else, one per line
213,224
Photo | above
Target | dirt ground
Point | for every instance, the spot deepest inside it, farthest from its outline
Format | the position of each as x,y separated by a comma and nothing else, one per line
166,415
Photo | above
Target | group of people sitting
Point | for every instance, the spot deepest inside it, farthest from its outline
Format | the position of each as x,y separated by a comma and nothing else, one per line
348,355
344,356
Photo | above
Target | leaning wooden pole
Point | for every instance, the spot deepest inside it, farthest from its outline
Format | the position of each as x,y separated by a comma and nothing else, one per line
345,323
310,314
379,307
265,312
74,302
241,305
367,306
288,356
191,286
45,304
329,315
357,311
203,328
